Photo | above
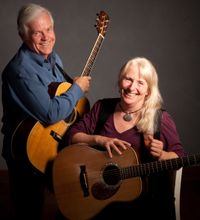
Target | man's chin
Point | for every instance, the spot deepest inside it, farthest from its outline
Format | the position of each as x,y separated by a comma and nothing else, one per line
46,53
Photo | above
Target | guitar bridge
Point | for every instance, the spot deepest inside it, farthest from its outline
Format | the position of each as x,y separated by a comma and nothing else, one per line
84,181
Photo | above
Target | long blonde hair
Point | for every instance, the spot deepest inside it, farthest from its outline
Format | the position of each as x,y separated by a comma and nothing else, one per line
154,100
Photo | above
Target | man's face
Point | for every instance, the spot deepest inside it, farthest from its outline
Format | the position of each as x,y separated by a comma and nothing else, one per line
41,36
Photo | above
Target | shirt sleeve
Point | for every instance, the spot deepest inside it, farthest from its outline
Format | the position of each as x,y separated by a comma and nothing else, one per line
170,136
86,124
32,95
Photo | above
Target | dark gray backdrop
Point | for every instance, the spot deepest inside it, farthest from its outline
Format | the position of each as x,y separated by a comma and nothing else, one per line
166,32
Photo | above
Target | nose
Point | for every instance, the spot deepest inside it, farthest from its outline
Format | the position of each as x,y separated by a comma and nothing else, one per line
132,85
44,35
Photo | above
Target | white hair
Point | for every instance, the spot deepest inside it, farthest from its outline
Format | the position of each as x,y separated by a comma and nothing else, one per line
27,13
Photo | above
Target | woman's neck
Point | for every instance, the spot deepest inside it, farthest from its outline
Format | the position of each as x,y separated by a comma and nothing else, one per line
131,113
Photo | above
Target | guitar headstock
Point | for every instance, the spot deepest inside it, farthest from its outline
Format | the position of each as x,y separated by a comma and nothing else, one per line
102,21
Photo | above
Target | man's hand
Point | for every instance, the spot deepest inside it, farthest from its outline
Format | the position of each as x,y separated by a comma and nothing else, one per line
83,82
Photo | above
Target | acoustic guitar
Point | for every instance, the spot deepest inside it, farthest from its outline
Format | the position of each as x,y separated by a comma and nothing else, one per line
86,180
37,143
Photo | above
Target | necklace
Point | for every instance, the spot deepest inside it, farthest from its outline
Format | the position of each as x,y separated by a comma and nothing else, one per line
128,115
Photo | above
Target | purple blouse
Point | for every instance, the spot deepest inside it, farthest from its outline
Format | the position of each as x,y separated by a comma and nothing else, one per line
168,132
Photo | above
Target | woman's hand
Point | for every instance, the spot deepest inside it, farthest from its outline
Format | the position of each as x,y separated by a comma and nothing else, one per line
106,142
112,144
156,149
155,146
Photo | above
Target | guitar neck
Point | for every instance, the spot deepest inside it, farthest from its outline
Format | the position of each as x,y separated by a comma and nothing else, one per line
159,166
93,55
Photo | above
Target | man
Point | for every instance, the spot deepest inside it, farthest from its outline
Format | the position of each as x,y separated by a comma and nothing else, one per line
26,80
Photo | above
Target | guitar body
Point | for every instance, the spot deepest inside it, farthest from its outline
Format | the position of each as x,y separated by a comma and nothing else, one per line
83,184
41,143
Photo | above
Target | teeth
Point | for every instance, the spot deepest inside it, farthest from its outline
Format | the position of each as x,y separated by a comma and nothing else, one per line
45,44
127,92
130,94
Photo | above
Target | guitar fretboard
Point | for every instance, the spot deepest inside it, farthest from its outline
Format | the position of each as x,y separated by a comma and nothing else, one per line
93,55
158,166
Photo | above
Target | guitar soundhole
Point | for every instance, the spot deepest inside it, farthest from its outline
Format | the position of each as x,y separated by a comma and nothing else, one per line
109,186
111,175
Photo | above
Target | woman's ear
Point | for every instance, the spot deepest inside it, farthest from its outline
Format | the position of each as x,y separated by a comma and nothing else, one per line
148,92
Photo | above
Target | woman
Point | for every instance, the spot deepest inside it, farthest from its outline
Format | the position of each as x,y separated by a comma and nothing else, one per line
133,123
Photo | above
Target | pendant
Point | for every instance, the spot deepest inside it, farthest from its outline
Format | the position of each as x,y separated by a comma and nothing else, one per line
127,117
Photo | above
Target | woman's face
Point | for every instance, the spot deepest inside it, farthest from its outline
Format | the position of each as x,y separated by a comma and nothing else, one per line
133,87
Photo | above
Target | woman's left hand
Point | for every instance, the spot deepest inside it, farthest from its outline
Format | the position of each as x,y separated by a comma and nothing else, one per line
156,149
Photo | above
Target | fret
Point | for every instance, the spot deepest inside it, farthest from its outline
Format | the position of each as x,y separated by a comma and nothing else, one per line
145,169
93,55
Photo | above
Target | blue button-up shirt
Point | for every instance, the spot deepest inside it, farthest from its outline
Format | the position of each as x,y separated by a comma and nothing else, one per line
25,90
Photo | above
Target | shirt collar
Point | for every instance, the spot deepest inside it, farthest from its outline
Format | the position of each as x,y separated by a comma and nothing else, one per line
39,58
